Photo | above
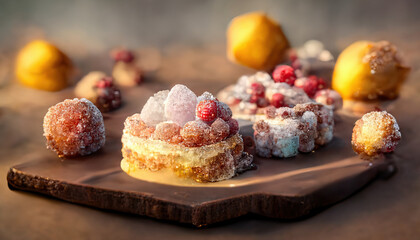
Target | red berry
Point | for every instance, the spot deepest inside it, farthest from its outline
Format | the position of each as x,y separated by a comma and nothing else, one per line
123,55
296,64
223,111
233,126
293,56
321,84
207,110
277,100
310,87
258,89
284,73
262,102
105,82
254,99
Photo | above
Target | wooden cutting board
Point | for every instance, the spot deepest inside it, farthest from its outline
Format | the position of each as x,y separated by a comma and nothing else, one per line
279,188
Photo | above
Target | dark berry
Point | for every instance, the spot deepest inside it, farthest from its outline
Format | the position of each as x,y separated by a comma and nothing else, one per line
233,126
223,111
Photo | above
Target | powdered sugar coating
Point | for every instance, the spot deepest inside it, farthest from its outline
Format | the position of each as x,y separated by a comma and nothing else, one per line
195,133
168,131
375,133
219,131
153,111
289,130
205,96
180,105
74,128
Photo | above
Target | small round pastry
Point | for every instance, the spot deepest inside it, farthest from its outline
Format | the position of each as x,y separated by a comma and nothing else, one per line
375,133
74,128
100,90
369,71
256,41
85,88
41,65
126,72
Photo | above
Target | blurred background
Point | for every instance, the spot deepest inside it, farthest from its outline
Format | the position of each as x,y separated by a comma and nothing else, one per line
87,30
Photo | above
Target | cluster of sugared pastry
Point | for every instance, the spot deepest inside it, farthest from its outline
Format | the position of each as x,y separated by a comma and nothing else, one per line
287,131
251,94
194,137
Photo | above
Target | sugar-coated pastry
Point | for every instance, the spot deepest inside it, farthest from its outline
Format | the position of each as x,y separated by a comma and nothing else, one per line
256,41
193,137
74,128
41,65
369,71
376,132
287,131
99,89
126,72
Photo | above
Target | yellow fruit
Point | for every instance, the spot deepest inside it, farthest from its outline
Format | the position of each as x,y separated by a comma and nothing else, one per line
369,71
256,41
42,66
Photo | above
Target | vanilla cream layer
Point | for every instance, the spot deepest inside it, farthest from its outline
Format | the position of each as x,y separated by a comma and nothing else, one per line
188,156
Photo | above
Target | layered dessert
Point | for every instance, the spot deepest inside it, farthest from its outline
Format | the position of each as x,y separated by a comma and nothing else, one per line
192,137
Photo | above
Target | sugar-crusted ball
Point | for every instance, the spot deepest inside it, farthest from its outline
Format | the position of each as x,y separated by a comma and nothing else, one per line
375,133
74,128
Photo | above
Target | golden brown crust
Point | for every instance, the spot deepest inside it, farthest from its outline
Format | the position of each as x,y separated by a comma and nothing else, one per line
375,133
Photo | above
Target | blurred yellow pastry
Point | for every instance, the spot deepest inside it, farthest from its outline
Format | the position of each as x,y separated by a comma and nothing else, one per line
41,65
369,71
256,41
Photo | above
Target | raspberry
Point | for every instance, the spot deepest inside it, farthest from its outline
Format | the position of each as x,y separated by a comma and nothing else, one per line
277,100
257,89
195,133
233,126
207,110
284,73
223,111
123,55
219,130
